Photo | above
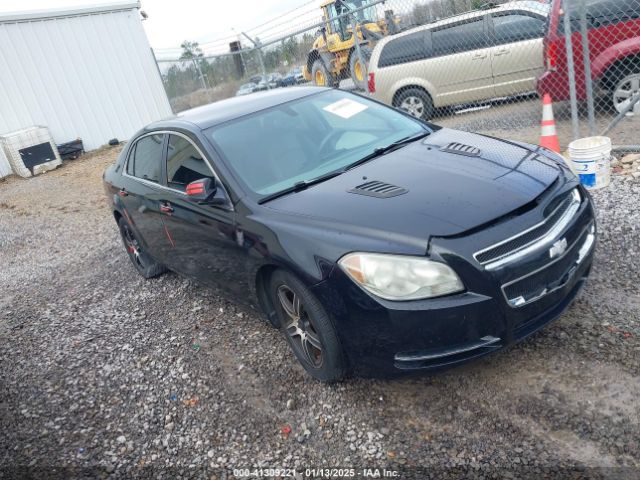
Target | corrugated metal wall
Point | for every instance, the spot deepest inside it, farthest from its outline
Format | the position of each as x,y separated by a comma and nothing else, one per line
91,76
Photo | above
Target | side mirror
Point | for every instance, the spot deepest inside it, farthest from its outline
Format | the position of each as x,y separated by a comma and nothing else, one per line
204,191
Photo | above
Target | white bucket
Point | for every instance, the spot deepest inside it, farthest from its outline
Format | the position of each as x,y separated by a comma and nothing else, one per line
591,159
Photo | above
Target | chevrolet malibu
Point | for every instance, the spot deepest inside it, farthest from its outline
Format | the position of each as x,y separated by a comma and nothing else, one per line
375,242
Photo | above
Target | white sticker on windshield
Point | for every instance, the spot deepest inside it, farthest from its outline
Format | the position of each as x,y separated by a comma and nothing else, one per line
345,108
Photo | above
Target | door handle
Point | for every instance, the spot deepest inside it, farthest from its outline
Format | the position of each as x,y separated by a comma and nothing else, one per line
166,208
123,193
502,51
479,56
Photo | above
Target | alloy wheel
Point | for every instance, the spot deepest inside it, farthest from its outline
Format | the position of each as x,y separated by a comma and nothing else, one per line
413,105
133,246
624,93
299,327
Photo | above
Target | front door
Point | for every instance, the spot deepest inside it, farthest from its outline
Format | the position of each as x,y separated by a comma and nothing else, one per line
205,243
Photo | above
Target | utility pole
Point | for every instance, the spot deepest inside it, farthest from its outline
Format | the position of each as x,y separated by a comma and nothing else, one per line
258,45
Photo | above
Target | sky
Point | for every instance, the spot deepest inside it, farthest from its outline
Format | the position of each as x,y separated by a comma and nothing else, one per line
213,23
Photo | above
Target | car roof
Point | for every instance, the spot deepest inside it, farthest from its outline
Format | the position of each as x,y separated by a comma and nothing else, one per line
224,110
535,6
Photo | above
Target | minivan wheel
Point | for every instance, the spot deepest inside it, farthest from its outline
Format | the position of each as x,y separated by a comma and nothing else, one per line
624,91
416,102
143,263
307,328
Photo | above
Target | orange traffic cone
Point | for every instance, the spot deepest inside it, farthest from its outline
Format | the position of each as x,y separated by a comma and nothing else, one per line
549,136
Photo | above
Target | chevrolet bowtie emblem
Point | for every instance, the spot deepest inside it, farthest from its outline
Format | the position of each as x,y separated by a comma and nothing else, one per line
558,248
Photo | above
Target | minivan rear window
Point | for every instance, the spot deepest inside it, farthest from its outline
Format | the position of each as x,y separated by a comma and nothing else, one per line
405,49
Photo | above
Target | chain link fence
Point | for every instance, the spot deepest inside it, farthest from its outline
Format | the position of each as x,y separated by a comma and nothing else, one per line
465,64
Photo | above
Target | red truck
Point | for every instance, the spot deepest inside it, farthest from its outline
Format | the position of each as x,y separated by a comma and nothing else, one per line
614,42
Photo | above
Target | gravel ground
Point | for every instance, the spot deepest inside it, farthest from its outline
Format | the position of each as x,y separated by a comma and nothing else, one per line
103,373
519,119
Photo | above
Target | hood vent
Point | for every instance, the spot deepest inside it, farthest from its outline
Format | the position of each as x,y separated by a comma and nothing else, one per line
378,189
461,149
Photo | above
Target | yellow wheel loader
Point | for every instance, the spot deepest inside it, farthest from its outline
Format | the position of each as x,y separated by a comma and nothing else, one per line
335,54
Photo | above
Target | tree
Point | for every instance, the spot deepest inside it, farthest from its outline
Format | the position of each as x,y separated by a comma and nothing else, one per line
190,50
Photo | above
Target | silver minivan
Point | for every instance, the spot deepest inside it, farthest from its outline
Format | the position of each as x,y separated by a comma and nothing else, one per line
463,59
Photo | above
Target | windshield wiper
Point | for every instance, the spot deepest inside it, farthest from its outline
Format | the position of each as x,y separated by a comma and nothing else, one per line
298,186
378,152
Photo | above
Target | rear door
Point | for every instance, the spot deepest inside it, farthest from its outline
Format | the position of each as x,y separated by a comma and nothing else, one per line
460,68
142,191
517,51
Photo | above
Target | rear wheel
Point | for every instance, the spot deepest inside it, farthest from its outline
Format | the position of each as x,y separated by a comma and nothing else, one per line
307,328
321,75
624,91
358,69
143,263
416,102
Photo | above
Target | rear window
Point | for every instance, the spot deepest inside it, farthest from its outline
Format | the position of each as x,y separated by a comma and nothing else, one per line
517,27
405,49
145,159
602,13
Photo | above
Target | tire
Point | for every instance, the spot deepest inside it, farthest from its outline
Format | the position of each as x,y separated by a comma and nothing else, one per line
143,263
415,101
307,328
359,72
625,87
320,75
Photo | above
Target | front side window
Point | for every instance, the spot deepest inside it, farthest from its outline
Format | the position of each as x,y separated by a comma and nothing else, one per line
184,163
145,158
273,149
459,38
517,27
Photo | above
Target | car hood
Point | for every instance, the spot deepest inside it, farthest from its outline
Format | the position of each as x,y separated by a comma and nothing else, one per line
447,193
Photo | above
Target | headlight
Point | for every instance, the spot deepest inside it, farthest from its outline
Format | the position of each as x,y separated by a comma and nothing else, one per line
398,277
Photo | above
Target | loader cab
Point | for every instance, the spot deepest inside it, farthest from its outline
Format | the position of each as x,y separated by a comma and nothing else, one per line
343,26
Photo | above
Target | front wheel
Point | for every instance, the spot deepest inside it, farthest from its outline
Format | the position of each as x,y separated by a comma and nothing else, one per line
321,75
358,67
416,102
307,328
625,91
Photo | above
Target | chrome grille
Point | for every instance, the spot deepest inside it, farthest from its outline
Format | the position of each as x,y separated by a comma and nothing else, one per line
552,276
534,238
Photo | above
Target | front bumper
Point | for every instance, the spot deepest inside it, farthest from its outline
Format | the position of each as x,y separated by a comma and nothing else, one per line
381,338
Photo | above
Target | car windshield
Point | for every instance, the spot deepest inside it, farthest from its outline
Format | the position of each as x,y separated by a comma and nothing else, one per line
274,149
364,15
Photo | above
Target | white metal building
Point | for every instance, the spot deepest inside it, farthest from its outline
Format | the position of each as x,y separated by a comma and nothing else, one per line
84,73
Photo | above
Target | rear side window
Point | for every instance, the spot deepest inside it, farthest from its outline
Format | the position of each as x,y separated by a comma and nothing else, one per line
462,37
517,27
408,48
184,163
145,159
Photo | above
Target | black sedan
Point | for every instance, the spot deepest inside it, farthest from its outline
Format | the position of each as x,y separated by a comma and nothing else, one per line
375,242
